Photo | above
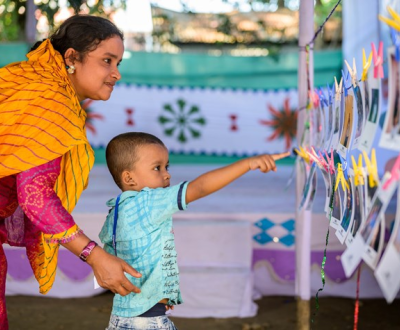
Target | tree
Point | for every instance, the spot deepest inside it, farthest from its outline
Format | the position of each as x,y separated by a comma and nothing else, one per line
17,17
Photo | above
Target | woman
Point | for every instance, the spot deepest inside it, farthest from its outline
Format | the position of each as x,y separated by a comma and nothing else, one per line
45,157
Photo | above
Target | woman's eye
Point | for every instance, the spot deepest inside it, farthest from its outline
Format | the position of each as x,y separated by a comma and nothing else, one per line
107,60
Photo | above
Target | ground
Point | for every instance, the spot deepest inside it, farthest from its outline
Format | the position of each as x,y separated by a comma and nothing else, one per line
40,313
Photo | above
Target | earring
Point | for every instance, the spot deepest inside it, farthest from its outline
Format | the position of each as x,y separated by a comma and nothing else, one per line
70,69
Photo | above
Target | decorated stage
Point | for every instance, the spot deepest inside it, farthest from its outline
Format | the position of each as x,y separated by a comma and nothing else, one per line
232,246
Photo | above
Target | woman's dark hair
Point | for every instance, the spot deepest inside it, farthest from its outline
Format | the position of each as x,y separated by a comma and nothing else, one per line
82,33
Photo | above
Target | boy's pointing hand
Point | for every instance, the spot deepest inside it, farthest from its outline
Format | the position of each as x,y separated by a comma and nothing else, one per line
266,163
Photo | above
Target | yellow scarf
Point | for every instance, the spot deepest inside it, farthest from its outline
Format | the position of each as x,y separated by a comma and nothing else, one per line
40,120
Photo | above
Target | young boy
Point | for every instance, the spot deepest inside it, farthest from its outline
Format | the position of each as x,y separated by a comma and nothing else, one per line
139,230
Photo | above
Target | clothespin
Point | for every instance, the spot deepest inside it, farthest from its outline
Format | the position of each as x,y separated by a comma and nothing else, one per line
313,100
395,22
396,43
314,157
338,89
322,97
303,154
358,170
352,72
323,161
366,65
372,168
346,82
340,178
395,174
330,93
378,60
331,162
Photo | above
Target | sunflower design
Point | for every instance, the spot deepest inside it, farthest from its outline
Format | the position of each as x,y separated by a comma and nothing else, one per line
283,123
185,122
91,116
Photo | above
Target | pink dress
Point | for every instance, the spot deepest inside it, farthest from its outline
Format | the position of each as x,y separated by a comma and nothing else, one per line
29,206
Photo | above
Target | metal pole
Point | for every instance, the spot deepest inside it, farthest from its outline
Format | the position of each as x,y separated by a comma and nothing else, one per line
303,218
30,22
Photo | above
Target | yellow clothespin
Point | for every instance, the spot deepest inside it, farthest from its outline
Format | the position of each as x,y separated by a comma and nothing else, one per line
366,65
372,168
303,154
341,179
358,170
353,72
338,89
395,22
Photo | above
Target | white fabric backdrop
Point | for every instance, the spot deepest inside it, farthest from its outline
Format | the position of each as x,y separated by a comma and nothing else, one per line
134,108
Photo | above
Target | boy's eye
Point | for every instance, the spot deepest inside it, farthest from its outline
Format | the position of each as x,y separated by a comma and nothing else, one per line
167,167
157,168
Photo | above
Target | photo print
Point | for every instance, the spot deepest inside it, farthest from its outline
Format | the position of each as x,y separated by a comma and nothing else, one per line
390,137
358,211
348,214
347,130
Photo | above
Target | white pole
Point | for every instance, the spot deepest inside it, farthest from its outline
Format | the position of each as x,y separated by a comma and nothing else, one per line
303,218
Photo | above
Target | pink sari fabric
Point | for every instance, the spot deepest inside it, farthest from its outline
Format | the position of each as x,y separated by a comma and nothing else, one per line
29,206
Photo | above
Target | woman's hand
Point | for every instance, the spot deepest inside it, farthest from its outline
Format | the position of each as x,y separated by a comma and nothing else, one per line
109,272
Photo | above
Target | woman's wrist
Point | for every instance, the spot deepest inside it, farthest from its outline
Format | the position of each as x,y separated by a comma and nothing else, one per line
87,250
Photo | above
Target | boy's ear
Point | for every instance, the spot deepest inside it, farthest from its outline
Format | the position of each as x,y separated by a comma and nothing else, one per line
128,179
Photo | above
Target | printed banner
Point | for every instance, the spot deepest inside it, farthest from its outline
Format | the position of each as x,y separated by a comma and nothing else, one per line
195,120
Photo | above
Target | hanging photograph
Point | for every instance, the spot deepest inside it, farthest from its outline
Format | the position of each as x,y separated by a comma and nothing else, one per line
372,88
347,130
360,115
390,137
388,269
337,110
348,213
358,211
339,197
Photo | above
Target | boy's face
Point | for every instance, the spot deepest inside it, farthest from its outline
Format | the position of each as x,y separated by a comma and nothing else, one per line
151,168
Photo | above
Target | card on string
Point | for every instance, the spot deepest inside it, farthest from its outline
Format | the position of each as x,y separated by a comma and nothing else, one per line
358,204
348,213
337,110
371,94
339,198
358,101
329,108
368,242
347,129
308,188
390,137
388,270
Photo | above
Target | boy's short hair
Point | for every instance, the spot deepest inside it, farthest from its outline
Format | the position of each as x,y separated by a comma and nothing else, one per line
121,152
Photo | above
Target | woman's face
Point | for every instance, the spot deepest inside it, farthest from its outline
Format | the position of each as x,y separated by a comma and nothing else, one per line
96,75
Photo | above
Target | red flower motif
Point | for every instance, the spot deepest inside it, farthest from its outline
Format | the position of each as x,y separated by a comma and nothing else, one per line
284,123
91,116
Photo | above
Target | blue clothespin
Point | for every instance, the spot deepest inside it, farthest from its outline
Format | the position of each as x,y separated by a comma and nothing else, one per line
331,92
396,42
322,97
346,82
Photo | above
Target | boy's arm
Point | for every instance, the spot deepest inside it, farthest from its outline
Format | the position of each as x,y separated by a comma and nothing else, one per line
214,180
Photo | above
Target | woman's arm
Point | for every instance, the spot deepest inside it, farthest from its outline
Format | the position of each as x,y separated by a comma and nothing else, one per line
41,205
212,181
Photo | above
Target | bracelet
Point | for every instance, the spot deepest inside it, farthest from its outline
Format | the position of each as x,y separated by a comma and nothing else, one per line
64,239
87,250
